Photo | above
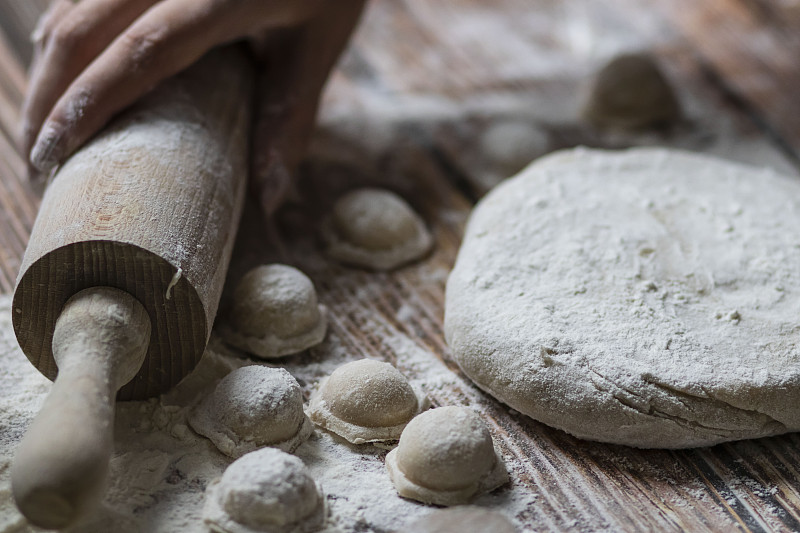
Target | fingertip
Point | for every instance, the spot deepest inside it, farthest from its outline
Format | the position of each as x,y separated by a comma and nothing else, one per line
48,149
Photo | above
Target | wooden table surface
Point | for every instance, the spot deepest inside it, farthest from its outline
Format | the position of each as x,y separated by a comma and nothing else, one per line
421,83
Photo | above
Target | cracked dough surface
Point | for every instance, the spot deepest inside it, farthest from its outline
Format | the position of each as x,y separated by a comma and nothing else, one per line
646,297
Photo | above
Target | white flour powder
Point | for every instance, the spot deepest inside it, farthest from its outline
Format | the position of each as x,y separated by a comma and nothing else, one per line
161,467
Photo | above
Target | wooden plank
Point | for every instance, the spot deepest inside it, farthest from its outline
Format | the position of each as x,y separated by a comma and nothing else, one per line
578,485
380,128
763,69
18,200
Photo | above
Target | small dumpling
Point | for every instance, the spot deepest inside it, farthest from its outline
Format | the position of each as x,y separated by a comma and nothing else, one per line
446,456
252,407
510,145
366,401
266,491
631,92
461,519
275,312
376,229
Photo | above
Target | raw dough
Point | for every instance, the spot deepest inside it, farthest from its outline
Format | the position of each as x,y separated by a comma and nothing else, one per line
510,145
252,407
275,313
366,401
646,297
461,519
446,456
631,92
266,491
376,229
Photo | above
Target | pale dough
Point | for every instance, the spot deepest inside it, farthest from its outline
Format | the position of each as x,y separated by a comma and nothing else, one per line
509,145
445,456
266,491
645,297
376,229
275,312
366,401
461,519
631,92
252,407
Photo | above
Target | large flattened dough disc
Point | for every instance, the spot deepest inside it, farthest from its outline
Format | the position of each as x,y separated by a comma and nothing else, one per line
646,297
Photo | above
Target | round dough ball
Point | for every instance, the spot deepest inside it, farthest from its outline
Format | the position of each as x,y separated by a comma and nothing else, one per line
370,393
510,145
275,312
446,448
445,456
266,491
631,92
664,289
460,519
275,298
366,401
376,229
374,219
251,407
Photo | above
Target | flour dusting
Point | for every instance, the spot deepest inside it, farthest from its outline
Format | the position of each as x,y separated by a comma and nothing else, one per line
644,297
161,467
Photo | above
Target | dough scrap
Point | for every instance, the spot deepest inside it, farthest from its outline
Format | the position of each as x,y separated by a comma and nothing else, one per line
252,407
366,401
265,491
376,229
275,313
461,519
645,297
631,92
446,456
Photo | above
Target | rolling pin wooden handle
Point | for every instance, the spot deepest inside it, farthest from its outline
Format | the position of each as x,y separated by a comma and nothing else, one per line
60,469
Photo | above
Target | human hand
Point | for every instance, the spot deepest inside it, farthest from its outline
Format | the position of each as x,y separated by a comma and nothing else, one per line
93,58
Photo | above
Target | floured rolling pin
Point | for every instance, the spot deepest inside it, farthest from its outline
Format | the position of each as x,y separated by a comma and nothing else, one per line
120,283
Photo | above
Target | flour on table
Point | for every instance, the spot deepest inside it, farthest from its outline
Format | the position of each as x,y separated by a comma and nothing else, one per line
645,297
460,519
160,468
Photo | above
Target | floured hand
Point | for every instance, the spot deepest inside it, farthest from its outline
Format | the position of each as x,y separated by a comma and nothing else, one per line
95,57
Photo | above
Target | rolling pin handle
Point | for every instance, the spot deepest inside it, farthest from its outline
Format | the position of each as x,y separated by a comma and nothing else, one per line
61,466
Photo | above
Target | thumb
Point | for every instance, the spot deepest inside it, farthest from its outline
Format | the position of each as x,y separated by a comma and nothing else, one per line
296,64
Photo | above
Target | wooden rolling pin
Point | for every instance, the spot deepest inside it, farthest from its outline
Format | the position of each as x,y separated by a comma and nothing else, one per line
120,283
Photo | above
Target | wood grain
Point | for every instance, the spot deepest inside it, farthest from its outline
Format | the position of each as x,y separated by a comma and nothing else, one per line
762,71
150,206
469,54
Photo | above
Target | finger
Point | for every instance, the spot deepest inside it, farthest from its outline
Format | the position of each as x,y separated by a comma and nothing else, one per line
297,64
166,39
55,12
74,37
